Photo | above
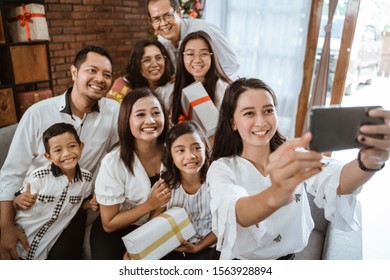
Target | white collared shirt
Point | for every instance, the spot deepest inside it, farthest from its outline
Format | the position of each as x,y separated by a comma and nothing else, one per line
50,215
116,185
98,131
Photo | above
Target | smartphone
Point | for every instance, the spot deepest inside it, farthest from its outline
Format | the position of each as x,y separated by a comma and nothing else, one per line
337,128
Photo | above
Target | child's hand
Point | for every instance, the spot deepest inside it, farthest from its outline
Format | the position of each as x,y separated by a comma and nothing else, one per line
187,247
94,205
25,200
160,195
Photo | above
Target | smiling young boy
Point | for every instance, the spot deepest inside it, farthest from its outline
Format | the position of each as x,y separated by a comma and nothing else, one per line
59,190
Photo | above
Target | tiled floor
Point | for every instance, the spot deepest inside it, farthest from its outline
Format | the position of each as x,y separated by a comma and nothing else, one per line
375,196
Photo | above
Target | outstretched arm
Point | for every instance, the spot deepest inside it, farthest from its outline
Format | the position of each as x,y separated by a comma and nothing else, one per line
372,158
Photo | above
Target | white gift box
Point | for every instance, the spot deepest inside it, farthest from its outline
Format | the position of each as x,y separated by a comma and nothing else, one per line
28,23
198,106
159,236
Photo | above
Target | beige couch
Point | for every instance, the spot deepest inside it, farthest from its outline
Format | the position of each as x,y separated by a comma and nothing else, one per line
326,242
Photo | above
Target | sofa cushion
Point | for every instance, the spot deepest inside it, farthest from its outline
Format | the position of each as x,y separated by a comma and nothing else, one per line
6,135
313,250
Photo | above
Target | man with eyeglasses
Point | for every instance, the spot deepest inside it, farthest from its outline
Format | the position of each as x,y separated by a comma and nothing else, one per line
166,18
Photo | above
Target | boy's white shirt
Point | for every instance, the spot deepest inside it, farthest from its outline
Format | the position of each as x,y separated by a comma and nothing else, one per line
48,188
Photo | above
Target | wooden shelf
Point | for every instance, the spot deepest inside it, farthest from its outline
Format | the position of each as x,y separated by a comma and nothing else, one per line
25,65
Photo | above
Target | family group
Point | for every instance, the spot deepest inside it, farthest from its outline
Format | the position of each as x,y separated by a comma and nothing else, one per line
122,152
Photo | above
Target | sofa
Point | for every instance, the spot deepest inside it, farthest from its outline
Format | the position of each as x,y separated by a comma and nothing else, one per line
326,242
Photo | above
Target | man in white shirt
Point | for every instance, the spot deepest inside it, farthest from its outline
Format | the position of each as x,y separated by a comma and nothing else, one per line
166,18
94,117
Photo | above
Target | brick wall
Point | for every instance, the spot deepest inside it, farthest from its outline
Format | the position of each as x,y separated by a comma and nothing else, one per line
113,24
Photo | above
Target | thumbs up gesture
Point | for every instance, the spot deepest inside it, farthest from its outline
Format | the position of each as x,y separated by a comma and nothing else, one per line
25,200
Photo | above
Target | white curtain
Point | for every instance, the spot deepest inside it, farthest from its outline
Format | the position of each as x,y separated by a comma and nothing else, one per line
269,38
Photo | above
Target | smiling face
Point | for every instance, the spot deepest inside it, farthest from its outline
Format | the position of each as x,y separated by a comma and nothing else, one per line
146,119
93,79
152,65
64,152
197,58
188,153
169,28
255,118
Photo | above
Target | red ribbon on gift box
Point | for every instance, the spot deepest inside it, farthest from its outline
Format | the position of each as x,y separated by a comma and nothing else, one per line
25,19
194,103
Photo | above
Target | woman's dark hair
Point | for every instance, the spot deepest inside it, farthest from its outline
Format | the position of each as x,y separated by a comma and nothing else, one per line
133,69
58,129
183,78
126,138
172,173
228,142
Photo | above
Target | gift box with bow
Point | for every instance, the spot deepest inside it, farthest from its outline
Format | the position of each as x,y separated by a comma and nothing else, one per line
28,23
198,106
159,236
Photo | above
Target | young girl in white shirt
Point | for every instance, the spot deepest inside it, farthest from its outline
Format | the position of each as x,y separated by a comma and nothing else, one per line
258,180
186,158
128,186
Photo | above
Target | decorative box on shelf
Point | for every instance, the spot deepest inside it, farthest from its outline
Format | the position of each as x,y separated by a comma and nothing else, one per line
25,99
29,63
159,236
7,107
198,106
28,23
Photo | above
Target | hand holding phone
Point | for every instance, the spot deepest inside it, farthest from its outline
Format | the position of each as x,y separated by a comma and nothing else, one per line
337,128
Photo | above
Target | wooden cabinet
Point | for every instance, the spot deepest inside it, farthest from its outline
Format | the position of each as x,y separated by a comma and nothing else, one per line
24,66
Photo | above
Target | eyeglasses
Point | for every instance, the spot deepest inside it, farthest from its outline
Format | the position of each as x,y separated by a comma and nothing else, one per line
166,17
190,55
147,61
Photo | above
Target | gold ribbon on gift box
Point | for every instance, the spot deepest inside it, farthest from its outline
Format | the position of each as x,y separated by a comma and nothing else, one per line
175,230
26,104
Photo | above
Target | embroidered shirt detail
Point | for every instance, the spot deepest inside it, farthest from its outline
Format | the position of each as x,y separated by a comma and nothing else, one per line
37,238
44,198
297,197
278,238
41,173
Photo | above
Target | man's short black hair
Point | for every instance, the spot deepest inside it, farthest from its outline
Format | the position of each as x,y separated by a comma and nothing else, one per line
81,56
